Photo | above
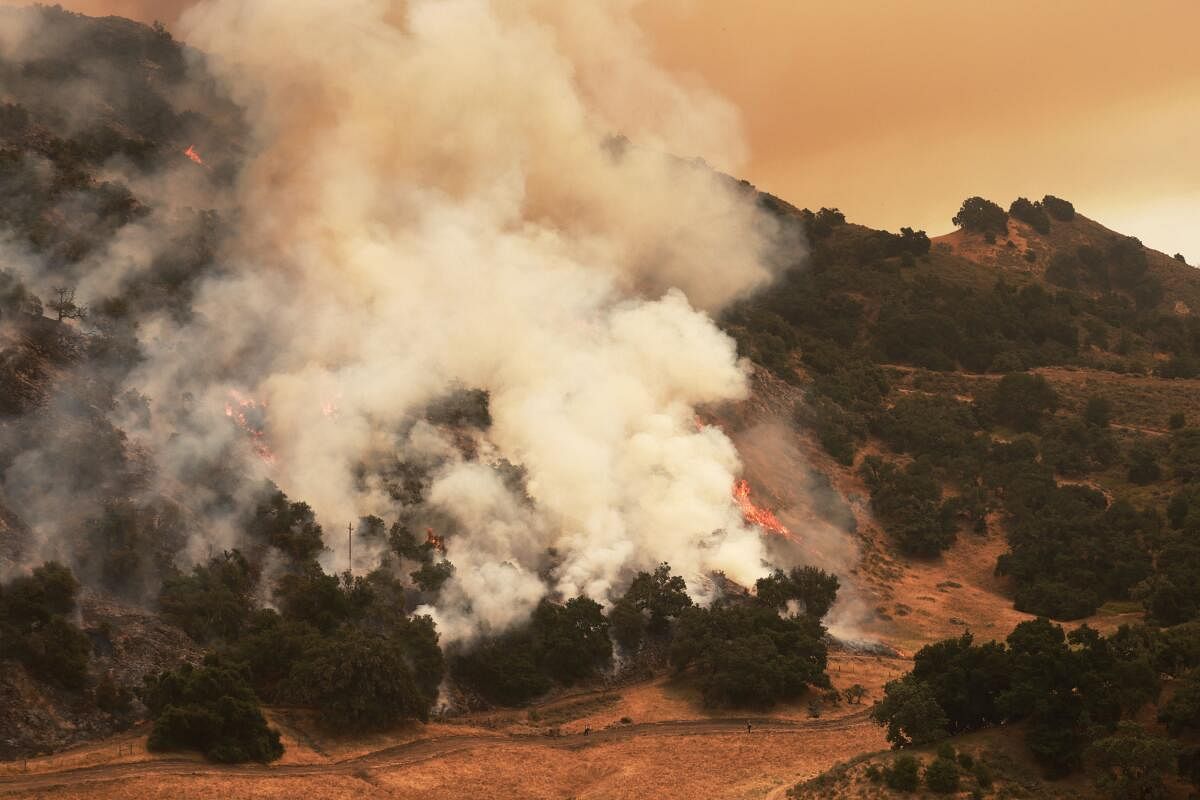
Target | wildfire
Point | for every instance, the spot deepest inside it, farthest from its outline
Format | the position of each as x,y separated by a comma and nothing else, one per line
193,155
435,541
759,516
248,414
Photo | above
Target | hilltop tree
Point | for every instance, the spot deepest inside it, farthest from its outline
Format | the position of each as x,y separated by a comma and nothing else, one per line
981,216
1030,213
1058,208
64,305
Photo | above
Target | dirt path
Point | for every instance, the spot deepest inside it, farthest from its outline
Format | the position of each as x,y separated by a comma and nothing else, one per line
416,751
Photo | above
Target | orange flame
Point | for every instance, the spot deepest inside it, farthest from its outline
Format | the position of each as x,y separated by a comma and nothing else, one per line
193,155
759,516
436,542
240,408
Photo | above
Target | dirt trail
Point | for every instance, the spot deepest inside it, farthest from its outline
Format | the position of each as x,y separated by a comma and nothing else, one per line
417,751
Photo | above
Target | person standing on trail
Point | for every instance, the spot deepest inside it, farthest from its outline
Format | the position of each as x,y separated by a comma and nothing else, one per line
748,726
587,730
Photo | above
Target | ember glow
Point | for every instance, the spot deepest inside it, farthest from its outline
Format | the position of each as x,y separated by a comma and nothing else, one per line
193,155
435,541
249,415
759,516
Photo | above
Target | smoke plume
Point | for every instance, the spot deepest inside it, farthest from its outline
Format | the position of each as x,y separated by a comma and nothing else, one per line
483,194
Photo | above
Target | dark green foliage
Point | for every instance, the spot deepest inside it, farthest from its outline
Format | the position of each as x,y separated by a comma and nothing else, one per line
911,713
982,774
1030,213
982,216
965,679
269,648
1065,688
462,408
1131,763
1181,714
214,601
1097,412
290,527
1143,465
941,776
1177,421
904,774
1021,400
909,504
571,640
431,577
360,681
746,655
659,596
812,589
1185,454
1058,208
1068,553
627,625
211,709
34,628
503,670
321,600
938,427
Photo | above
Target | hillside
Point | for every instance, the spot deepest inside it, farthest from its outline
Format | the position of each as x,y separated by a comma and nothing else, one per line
958,451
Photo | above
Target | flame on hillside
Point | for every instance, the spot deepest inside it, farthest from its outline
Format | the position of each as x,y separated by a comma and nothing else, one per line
436,542
193,155
755,515
248,414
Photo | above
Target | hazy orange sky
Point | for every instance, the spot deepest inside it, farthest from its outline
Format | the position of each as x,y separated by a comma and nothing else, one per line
896,111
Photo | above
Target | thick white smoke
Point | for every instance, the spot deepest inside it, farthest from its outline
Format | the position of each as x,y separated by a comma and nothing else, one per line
439,196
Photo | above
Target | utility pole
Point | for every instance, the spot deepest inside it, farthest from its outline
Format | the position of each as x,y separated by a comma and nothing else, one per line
350,547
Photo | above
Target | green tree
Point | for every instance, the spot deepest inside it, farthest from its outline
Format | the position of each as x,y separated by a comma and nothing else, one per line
941,776
1020,400
1131,763
571,640
212,602
359,681
746,655
1030,213
911,713
983,216
904,774
660,595
211,709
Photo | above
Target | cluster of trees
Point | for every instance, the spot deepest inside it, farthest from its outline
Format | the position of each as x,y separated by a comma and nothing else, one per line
36,630
1075,692
946,774
757,652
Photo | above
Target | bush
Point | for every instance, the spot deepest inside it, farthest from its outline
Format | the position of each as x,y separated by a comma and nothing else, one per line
904,774
1033,214
1020,400
503,669
980,215
941,776
1058,208
1177,421
909,504
1143,466
211,709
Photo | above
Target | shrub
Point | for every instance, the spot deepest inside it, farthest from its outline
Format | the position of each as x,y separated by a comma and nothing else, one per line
1177,421
211,709
904,774
941,776
571,640
1020,400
